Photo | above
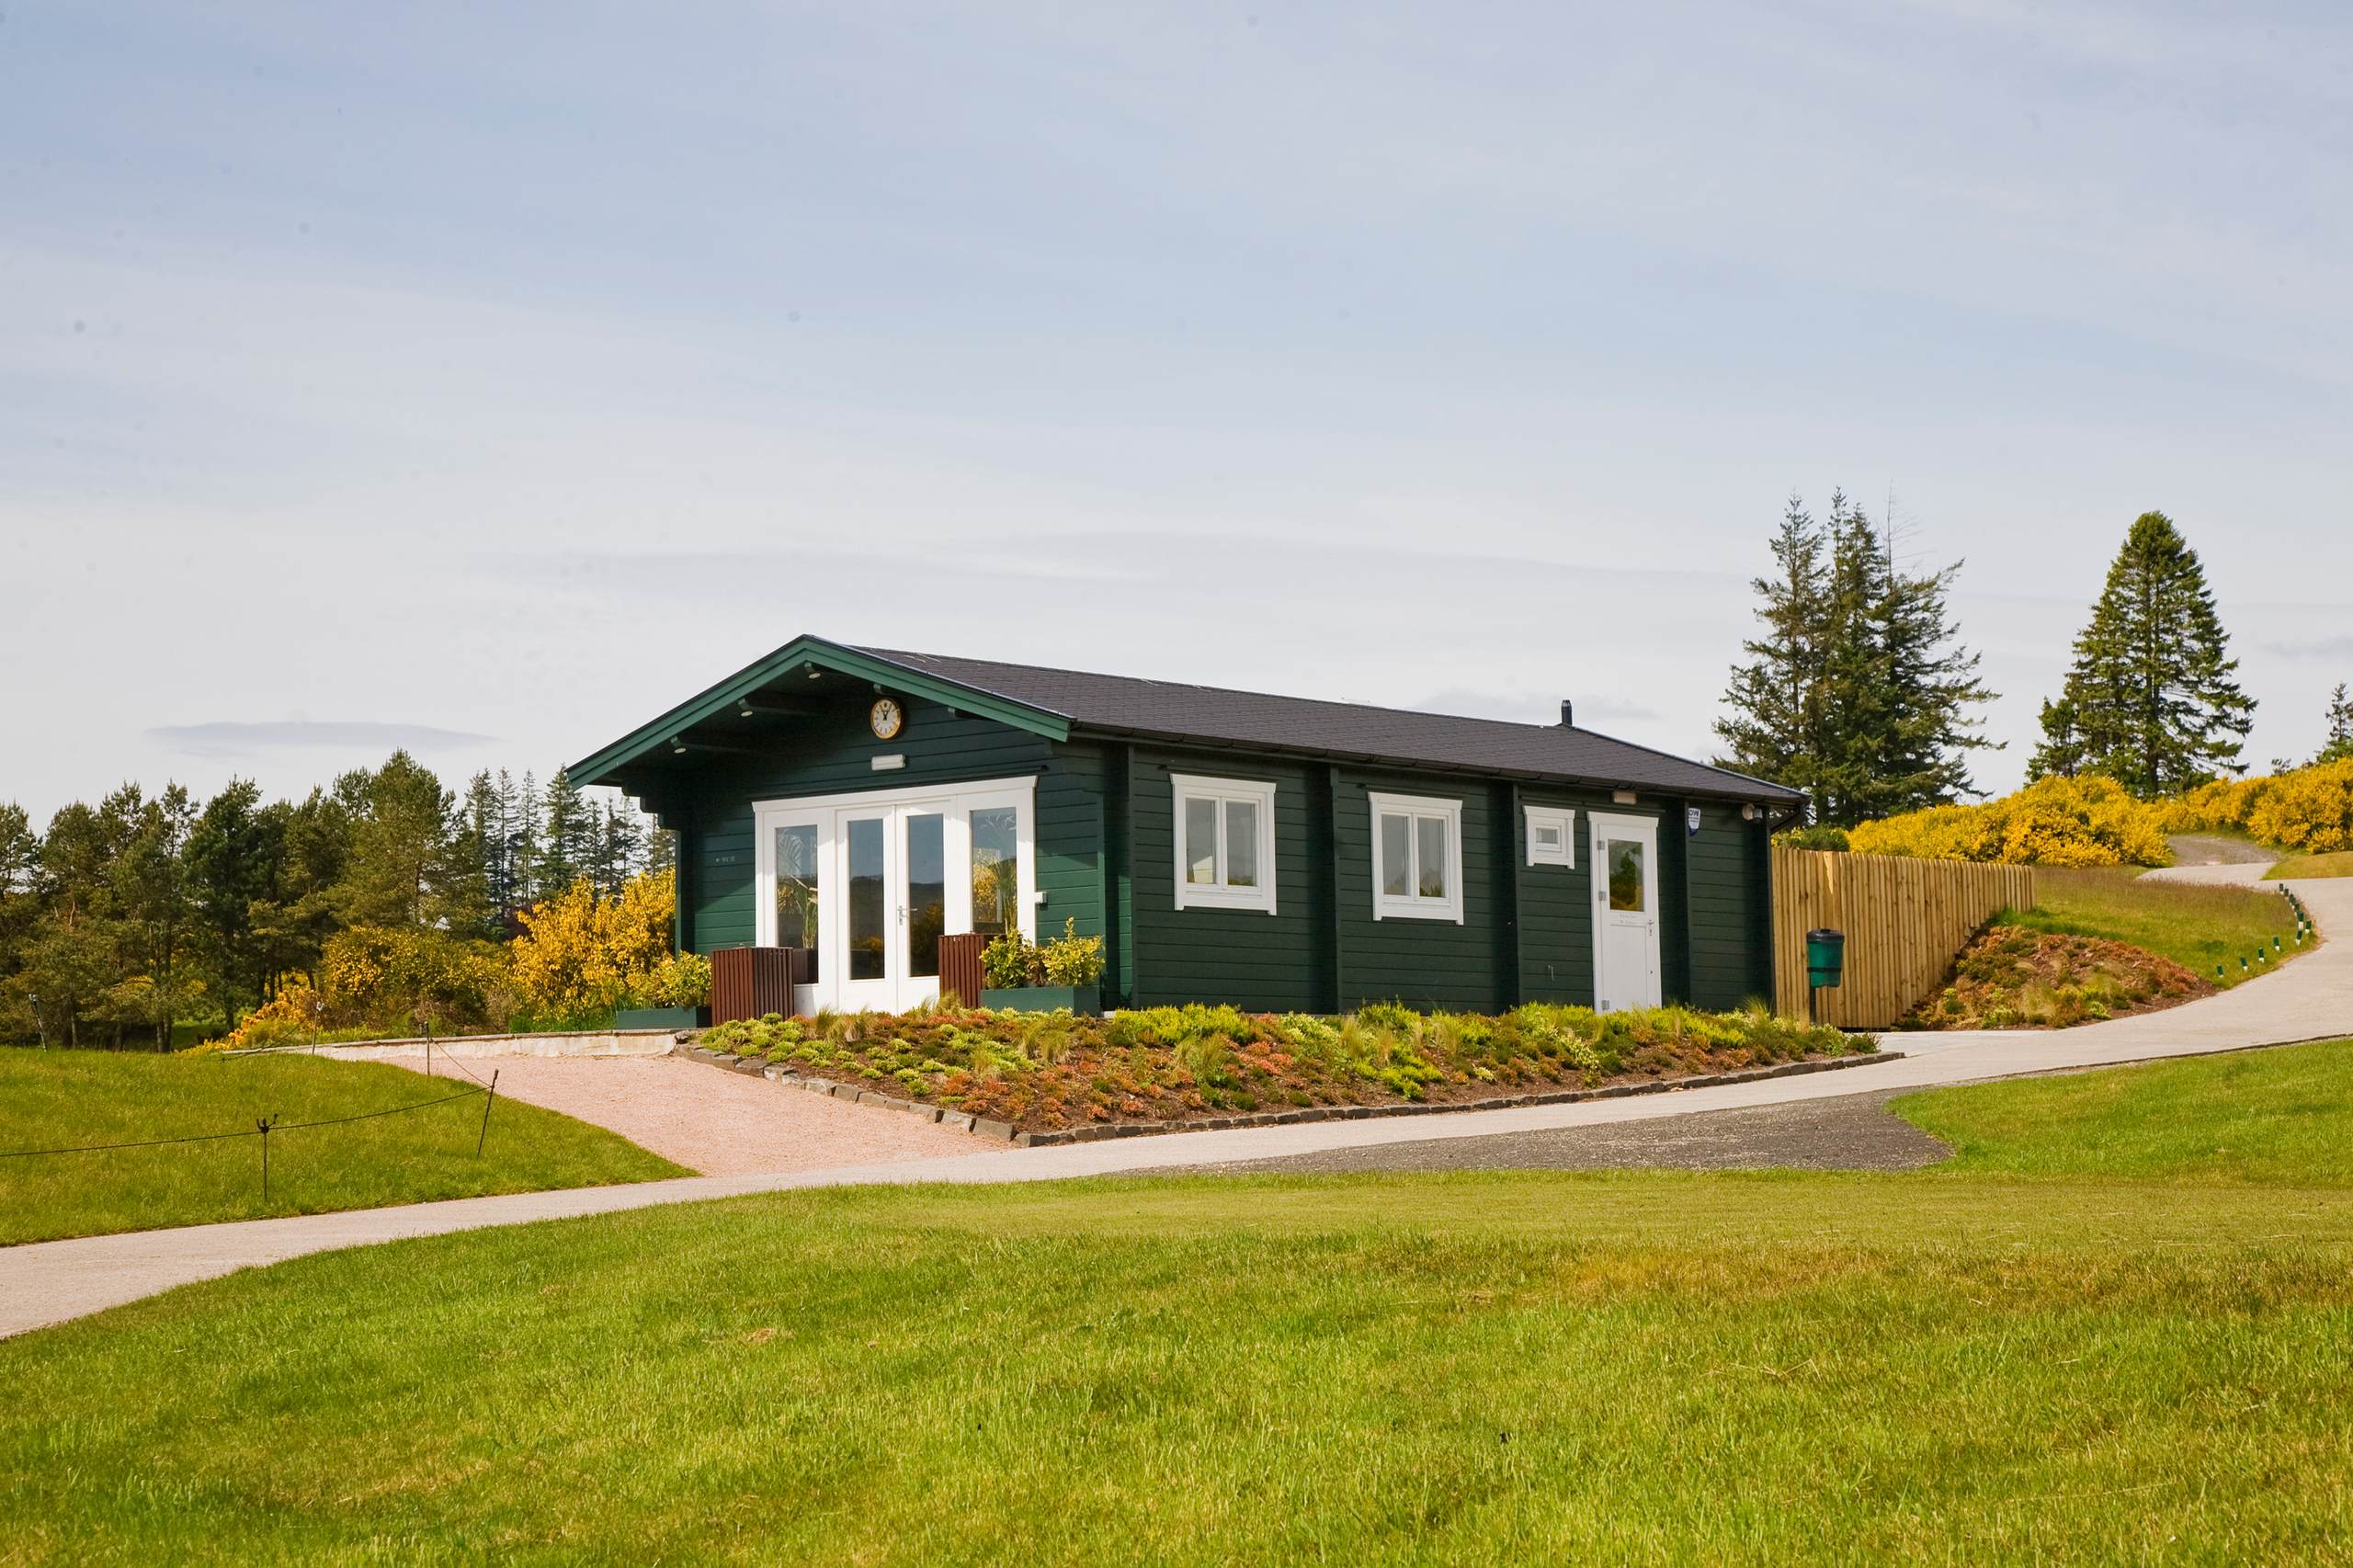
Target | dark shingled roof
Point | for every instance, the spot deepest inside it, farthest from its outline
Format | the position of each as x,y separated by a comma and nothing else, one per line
1170,710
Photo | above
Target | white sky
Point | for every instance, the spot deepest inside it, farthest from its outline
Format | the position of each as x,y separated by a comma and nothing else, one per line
487,383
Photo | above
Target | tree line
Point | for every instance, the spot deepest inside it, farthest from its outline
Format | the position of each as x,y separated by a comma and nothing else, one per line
144,913
1857,690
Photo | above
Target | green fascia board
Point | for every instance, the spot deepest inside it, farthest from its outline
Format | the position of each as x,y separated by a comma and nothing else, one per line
833,657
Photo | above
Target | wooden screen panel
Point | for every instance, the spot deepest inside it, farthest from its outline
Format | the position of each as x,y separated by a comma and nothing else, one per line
959,966
751,983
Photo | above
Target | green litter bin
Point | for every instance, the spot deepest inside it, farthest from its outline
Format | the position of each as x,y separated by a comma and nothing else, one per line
1826,957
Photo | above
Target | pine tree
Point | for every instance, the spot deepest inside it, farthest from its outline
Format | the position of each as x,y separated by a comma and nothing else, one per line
527,854
1775,727
568,838
620,848
2150,697
1858,693
2336,746
230,853
403,869
508,890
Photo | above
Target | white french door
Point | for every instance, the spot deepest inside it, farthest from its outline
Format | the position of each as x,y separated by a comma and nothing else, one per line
873,881
1624,869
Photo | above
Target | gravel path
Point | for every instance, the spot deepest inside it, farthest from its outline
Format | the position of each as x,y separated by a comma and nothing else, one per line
714,1123
1852,1132
2191,849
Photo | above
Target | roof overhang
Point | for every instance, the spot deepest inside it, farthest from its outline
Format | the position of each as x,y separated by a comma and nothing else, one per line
1738,790
804,654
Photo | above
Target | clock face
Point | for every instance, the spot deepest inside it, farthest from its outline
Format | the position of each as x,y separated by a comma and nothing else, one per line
886,717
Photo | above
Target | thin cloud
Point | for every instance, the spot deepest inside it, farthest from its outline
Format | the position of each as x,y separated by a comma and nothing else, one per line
231,738
2324,648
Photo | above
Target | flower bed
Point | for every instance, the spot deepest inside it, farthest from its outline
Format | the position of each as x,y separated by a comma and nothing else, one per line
2011,979
1051,1071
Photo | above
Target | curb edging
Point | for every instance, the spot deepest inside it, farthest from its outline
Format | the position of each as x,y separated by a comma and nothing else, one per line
1006,1132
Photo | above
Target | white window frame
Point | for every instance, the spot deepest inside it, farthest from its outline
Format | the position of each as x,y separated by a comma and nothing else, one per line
1563,819
1184,786
1414,906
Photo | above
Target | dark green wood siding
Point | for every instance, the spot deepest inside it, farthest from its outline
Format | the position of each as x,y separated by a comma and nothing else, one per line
1266,962
1555,910
1426,963
1730,907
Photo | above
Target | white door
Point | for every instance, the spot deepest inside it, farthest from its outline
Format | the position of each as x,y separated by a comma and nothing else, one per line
894,905
1625,911
872,882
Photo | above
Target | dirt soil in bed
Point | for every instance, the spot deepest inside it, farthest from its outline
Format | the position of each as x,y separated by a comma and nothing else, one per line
2010,978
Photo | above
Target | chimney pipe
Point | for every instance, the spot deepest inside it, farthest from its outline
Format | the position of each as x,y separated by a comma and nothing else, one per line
1568,714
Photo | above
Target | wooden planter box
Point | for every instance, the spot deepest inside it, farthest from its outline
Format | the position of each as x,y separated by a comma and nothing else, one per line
1082,999
660,1018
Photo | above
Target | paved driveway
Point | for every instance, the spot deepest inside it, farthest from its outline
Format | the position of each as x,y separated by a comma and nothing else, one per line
2310,999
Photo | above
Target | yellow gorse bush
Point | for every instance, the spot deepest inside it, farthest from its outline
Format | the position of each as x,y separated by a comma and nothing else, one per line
2309,809
578,952
2052,822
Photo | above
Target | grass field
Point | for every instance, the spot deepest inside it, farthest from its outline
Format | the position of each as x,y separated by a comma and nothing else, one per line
2145,1356
53,1100
2197,925
2339,863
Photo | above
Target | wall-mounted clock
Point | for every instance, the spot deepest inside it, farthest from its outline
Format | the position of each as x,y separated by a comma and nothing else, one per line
886,717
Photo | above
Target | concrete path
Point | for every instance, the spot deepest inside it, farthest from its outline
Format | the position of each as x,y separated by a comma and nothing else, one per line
2311,998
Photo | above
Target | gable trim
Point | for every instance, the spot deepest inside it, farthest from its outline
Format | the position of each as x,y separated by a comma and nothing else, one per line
599,767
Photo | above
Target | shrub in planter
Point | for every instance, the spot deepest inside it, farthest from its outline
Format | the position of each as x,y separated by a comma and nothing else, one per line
1012,961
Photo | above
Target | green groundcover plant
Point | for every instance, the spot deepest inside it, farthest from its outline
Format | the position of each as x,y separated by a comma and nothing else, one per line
1056,1069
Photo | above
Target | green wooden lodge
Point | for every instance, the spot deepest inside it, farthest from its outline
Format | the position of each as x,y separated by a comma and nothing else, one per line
1273,852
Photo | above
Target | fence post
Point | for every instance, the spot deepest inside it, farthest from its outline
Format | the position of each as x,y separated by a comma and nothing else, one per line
488,1096
263,1127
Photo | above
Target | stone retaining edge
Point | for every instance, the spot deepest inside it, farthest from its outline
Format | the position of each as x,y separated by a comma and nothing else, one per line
1006,1132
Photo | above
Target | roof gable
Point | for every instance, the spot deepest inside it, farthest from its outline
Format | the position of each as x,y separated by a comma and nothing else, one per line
803,652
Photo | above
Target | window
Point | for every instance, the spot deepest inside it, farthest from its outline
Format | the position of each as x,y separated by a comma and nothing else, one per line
1626,877
1417,859
1549,836
996,871
1226,843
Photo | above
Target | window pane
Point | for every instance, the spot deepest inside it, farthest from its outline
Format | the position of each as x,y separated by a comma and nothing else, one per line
867,930
1430,834
1201,841
1396,855
1625,874
926,891
996,871
796,887
1241,844
1547,836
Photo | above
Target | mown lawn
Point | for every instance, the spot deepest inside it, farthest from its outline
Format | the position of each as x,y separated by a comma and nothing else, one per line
51,1099
2262,1117
2336,863
2197,925
1968,1365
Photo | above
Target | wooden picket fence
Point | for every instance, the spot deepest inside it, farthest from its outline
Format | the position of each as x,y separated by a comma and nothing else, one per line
1905,921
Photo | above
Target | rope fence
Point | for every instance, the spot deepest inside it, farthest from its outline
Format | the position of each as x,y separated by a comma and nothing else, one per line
264,1126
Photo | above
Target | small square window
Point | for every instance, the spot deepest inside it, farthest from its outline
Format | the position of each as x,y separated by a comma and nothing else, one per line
1226,843
1552,837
